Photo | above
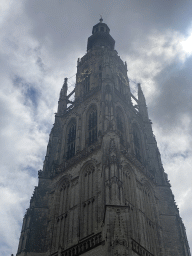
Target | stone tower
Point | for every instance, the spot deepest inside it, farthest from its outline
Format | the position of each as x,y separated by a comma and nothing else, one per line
103,190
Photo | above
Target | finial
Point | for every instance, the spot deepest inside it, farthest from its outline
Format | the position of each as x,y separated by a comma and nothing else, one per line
101,19
65,80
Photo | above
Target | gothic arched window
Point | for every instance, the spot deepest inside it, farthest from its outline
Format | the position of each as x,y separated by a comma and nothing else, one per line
92,126
71,137
137,143
120,126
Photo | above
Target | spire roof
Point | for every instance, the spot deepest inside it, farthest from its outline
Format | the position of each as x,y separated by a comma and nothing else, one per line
100,36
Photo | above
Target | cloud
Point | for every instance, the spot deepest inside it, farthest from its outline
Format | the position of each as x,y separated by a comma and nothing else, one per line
175,99
157,53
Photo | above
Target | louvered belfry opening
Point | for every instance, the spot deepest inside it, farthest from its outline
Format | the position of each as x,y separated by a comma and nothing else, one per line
120,128
87,83
71,140
92,126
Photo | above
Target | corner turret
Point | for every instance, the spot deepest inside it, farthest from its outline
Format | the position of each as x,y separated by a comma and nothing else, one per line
62,104
142,103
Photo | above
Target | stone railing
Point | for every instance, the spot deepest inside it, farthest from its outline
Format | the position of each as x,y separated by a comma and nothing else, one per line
140,250
84,246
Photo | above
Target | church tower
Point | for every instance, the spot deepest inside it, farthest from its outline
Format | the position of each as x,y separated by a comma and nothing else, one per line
103,190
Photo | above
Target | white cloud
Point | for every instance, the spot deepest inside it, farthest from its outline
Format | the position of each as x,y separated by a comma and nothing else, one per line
187,43
147,59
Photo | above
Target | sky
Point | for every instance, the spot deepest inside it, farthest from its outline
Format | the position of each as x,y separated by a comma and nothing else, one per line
40,42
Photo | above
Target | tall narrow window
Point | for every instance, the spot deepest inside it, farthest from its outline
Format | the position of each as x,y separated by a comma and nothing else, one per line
65,198
128,185
120,127
137,143
87,82
100,72
88,200
119,123
92,126
71,136
121,84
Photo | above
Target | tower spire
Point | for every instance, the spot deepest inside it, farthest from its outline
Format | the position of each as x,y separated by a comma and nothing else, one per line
141,96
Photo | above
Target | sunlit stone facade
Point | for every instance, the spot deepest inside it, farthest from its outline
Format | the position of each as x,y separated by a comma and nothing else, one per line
103,189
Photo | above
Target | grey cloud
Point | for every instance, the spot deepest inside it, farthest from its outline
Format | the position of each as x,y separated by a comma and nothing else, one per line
57,25
64,25
30,93
175,96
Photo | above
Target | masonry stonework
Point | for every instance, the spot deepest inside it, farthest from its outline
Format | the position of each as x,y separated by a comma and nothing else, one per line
103,189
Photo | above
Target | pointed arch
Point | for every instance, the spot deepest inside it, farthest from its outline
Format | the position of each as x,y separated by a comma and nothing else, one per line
66,179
